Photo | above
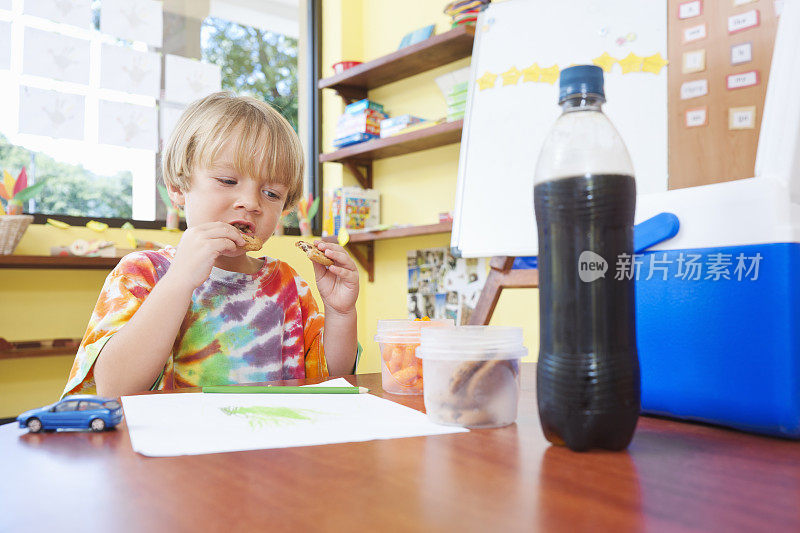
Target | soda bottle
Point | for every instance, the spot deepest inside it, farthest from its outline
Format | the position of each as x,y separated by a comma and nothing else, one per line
588,385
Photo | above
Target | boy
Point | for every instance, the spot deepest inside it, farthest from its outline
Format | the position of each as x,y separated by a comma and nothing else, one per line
206,313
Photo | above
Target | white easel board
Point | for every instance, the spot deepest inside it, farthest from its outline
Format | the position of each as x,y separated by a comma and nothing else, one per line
506,124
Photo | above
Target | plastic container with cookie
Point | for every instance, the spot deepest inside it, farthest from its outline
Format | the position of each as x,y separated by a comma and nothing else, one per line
401,371
472,374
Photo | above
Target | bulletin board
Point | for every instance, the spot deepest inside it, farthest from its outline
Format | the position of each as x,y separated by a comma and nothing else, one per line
720,53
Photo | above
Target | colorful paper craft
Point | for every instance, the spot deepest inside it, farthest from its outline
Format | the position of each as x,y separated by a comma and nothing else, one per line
654,63
742,118
604,61
697,116
487,81
742,80
511,76
743,21
688,10
694,61
694,89
695,33
631,63
741,53
532,73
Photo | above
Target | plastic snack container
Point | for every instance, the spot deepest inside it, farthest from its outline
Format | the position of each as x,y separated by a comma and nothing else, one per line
401,371
471,374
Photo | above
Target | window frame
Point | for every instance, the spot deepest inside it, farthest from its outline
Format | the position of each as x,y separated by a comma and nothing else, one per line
314,26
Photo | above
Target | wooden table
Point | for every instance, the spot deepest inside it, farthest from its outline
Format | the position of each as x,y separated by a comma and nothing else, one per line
674,477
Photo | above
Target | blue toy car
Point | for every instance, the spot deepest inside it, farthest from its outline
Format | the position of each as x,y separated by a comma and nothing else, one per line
81,412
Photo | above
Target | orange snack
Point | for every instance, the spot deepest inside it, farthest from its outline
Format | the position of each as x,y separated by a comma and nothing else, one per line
406,376
399,339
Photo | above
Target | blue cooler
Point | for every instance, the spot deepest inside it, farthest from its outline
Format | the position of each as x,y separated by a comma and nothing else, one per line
718,307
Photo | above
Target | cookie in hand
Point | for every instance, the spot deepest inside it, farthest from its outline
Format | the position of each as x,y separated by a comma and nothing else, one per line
314,253
251,242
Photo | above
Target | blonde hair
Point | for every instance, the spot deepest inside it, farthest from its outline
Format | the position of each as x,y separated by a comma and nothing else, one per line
266,147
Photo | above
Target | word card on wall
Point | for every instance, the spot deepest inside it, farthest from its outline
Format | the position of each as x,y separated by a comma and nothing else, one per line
720,53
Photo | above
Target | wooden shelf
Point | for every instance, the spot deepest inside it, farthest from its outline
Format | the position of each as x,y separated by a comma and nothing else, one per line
396,233
353,83
58,262
366,256
406,143
42,348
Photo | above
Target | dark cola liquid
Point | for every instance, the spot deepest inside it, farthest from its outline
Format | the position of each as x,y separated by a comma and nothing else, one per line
588,385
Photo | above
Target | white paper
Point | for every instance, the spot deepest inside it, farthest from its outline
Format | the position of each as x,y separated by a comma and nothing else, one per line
742,21
57,56
136,20
5,45
693,89
131,71
165,425
132,126
5,4
741,53
696,117
694,33
694,61
742,118
170,114
51,113
186,80
745,79
73,12
690,9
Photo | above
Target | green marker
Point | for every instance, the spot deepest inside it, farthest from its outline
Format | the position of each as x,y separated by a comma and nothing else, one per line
278,389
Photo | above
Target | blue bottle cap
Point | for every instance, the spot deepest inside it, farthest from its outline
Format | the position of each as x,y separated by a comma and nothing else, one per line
581,80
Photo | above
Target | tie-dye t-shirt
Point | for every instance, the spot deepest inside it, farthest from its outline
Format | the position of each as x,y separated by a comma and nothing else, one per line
240,328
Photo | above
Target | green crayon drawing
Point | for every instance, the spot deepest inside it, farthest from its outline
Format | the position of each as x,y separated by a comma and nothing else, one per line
259,416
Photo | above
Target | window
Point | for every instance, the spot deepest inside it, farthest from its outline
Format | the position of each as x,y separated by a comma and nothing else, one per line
67,406
88,406
96,86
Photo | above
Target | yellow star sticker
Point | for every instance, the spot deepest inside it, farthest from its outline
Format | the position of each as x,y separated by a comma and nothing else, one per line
511,76
487,81
654,63
531,73
550,75
631,63
605,61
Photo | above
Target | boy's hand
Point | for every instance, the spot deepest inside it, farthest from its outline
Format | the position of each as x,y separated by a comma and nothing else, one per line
199,248
338,283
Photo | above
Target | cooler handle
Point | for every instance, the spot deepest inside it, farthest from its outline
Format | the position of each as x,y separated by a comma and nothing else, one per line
654,230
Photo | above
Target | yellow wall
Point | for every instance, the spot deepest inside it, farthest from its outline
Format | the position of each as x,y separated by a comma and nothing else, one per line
416,187
43,304
48,304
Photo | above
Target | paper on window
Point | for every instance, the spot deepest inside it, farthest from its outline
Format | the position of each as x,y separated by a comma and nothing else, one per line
132,126
186,80
136,20
57,56
5,45
170,114
73,12
131,71
51,113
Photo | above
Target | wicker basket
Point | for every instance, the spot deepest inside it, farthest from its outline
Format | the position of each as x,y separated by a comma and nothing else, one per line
11,229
